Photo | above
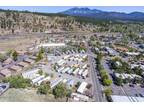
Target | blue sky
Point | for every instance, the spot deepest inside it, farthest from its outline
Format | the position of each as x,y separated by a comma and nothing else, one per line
55,9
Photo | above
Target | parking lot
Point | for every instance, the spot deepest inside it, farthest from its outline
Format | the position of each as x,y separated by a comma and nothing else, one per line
124,90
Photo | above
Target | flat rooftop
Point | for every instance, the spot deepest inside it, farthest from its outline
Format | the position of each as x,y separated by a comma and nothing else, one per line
51,45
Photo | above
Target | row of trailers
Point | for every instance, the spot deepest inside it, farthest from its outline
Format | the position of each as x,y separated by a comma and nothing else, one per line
83,72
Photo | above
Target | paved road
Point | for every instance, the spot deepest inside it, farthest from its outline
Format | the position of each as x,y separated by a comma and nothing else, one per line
97,89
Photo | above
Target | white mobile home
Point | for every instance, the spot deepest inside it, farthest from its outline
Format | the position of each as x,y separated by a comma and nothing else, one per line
37,79
66,57
30,74
70,83
65,70
61,60
70,71
60,69
60,64
80,59
85,73
55,82
84,57
80,72
44,79
85,66
64,81
76,71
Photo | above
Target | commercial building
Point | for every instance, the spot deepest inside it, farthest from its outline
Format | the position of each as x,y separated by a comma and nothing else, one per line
79,97
82,88
124,76
51,45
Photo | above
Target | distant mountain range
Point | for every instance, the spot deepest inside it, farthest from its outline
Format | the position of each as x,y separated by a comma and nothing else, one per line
104,15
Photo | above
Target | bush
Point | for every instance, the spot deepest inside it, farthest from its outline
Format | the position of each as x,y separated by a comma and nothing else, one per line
105,78
77,84
14,55
124,67
44,88
109,99
40,55
2,57
18,82
107,82
104,74
60,91
108,92
119,81
40,72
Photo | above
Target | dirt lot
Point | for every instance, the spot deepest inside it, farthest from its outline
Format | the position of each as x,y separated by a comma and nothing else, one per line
26,95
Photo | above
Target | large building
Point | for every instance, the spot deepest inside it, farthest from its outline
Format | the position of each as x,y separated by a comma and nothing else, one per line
51,45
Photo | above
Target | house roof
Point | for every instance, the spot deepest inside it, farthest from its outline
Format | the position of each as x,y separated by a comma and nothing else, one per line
15,68
5,72
29,60
8,61
23,64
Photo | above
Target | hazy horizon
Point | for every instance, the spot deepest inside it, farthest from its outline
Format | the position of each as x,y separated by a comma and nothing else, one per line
56,9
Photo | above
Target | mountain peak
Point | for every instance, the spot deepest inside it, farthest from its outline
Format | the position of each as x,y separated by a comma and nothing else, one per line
98,14
83,10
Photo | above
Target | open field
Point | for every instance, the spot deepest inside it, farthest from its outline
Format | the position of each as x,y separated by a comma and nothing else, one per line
26,95
20,43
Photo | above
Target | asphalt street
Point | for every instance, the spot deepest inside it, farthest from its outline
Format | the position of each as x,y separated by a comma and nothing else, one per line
97,88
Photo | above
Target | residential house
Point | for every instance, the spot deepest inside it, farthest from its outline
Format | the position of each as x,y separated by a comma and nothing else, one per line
5,73
30,61
23,64
15,68
7,61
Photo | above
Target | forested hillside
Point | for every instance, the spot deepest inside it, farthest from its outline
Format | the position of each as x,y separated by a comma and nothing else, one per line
12,22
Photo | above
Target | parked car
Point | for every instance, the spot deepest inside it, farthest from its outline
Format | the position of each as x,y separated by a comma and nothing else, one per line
142,86
141,95
131,85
